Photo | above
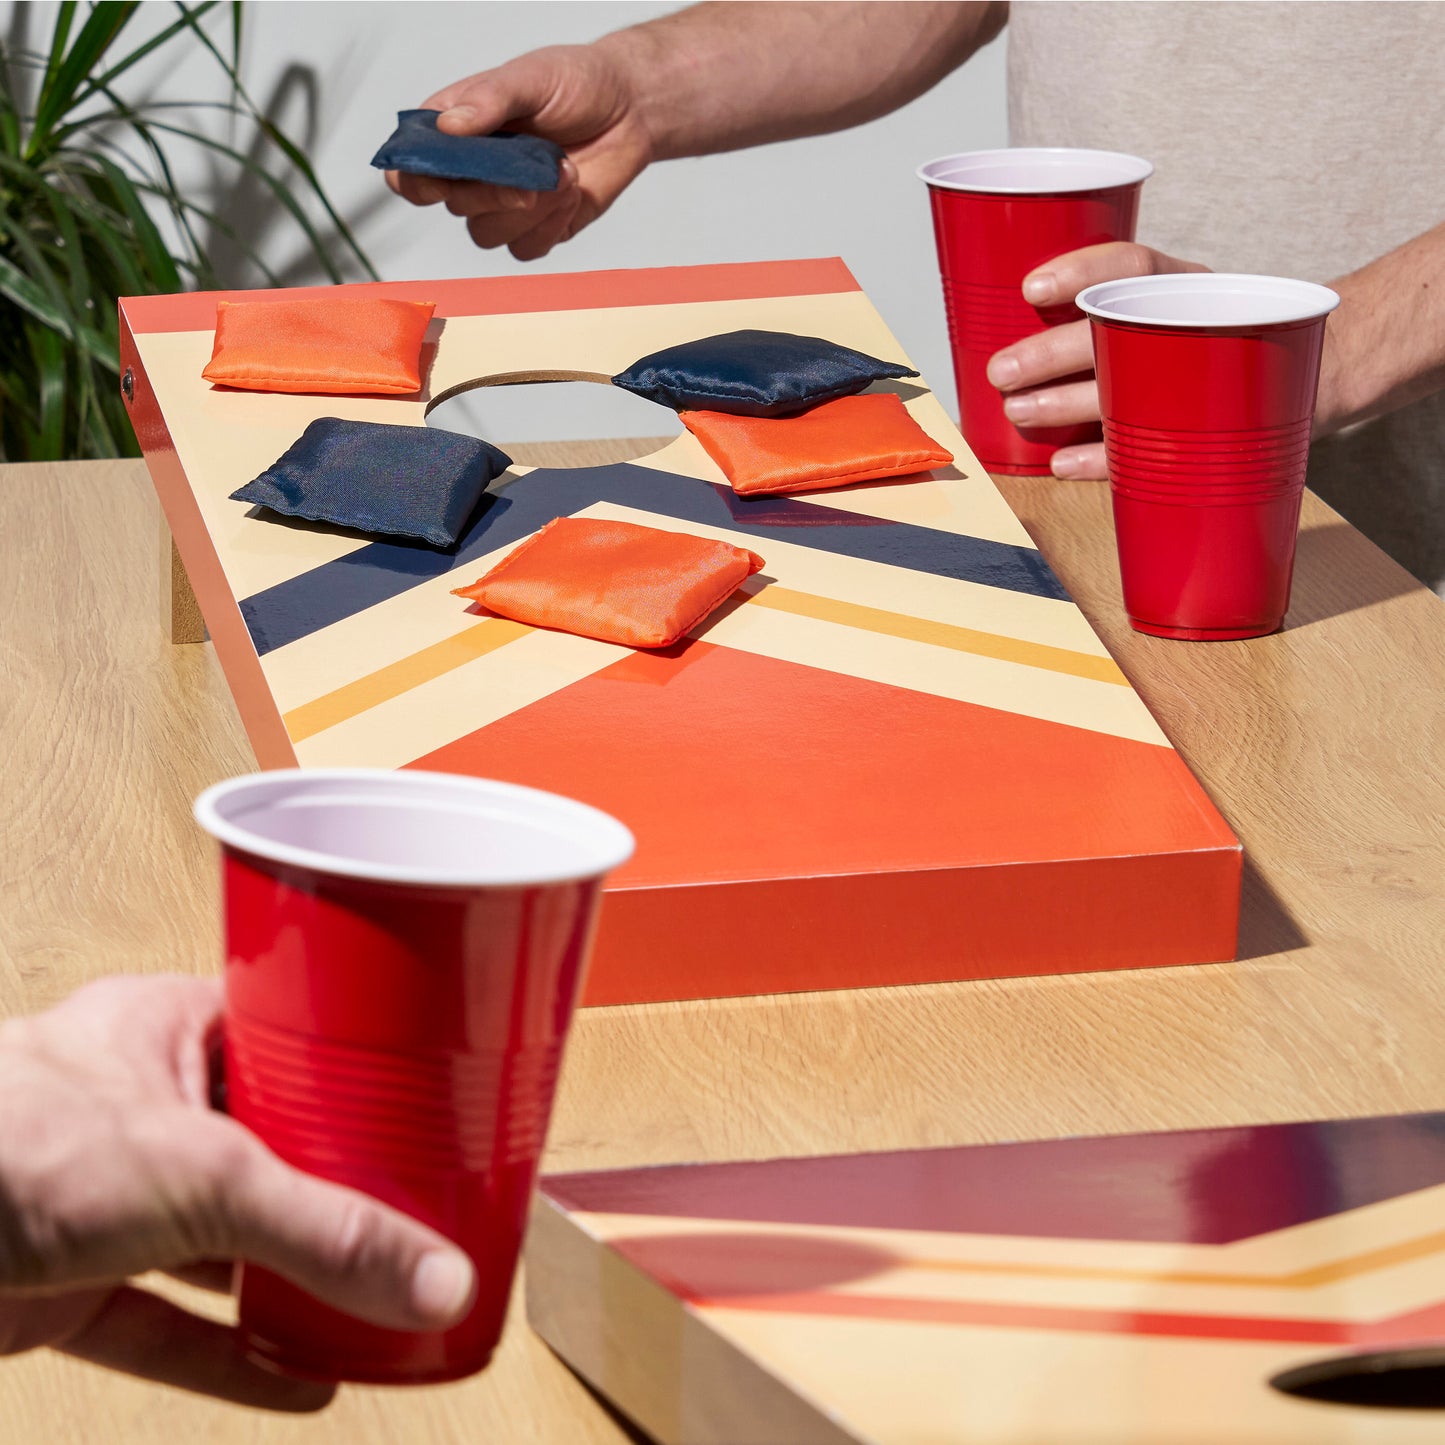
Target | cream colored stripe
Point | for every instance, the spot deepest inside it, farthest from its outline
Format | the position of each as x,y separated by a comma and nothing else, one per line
941,634
376,638
392,630
1366,1285
897,1382
486,636
896,589
1317,1242
1369,1298
458,700
378,687
1387,1232
453,703
1312,1278
902,662
1015,657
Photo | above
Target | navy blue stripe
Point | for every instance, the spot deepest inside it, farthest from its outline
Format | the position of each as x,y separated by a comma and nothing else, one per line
382,570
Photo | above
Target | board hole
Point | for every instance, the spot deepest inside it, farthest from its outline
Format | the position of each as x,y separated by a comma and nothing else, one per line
1385,1379
537,417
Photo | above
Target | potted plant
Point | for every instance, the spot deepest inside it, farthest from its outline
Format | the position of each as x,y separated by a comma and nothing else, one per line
90,210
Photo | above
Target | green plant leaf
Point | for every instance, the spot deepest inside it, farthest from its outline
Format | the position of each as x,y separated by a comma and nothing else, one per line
105,81
219,223
277,188
159,262
18,288
65,74
106,229
48,348
69,248
9,112
304,166
42,278
64,15
288,149
82,187
167,190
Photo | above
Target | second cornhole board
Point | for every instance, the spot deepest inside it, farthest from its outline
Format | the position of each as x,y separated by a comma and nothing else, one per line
901,755
1135,1290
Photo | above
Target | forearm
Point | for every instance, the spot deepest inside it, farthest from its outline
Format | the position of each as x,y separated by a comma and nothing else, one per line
722,76
1385,345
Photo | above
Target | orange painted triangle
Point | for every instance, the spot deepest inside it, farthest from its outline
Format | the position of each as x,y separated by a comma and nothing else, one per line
730,766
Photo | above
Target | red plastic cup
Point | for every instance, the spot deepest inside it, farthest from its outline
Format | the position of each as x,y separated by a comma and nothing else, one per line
996,216
403,953
1207,388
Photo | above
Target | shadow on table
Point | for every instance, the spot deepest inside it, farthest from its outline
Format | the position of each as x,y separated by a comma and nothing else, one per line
141,1334
627,1427
1337,571
1266,926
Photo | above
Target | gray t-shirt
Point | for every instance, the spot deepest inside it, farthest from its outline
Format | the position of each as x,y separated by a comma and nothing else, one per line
1291,139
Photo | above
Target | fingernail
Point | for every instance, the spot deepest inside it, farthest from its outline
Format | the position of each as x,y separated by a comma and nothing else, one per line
1041,289
1020,408
566,174
1065,464
429,191
521,200
1003,371
459,115
442,1285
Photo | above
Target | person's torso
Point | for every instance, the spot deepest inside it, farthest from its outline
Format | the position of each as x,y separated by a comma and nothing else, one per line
1298,139
1295,139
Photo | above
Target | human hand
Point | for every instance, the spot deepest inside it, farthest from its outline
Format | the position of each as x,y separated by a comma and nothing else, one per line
577,95
112,1162
1048,379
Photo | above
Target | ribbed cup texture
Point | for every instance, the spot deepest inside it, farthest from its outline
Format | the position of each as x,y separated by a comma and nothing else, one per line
988,318
1213,468
335,1107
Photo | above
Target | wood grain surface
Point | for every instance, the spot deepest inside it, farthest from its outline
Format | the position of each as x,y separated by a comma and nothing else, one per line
1324,746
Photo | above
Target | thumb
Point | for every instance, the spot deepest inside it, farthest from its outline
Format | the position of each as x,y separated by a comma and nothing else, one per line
486,102
349,1250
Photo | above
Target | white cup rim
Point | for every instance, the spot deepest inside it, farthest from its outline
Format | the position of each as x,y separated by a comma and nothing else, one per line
1131,169
1258,300
590,842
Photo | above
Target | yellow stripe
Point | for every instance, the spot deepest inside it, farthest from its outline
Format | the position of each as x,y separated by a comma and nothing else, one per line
441,657
401,676
1406,1252
941,634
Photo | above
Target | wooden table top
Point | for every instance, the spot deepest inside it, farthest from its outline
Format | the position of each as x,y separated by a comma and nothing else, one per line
1324,746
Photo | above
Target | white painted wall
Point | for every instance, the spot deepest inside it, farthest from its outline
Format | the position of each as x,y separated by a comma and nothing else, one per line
853,194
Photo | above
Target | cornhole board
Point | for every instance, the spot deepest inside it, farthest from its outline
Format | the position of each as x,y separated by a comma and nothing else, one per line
901,755
1135,1290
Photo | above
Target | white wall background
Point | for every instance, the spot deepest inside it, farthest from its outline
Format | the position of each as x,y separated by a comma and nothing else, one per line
853,194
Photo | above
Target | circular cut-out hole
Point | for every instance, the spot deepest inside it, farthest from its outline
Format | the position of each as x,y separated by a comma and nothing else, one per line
539,418
1387,1379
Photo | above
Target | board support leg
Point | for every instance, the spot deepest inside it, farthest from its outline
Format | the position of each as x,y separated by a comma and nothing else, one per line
181,619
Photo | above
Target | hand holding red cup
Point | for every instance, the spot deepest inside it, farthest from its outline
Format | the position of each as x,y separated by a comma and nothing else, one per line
998,216
1047,379
403,954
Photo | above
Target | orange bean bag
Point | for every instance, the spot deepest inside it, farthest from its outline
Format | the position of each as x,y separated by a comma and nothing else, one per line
334,345
617,582
853,439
